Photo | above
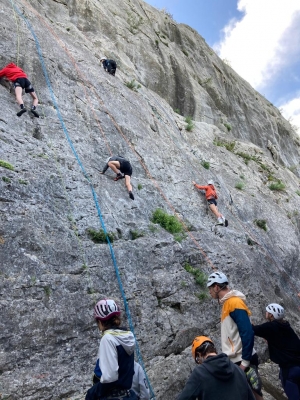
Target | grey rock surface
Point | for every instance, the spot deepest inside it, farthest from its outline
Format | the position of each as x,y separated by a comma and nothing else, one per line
52,273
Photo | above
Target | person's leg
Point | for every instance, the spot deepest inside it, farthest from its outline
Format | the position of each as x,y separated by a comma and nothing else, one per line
35,99
291,383
18,92
115,166
215,211
127,183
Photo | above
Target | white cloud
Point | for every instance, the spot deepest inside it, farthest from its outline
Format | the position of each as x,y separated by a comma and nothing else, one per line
291,111
253,45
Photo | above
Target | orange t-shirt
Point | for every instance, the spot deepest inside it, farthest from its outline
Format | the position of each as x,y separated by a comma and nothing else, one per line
210,191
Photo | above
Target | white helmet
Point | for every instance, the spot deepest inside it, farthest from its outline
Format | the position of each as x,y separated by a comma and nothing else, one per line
106,309
276,310
216,277
210,182
103,58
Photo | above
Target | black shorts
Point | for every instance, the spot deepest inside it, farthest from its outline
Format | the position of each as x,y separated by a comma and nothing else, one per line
125,167
24,83
212,201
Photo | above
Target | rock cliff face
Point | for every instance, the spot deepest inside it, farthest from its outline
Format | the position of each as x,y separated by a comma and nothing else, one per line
52,194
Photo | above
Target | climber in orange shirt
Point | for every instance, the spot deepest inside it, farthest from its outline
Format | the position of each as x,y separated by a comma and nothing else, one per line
211,197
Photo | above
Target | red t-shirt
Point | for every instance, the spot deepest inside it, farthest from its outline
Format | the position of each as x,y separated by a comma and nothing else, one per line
12,72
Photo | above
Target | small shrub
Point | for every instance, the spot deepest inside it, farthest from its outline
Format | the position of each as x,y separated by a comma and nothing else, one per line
132,85
200,277
179,237
188,119
279,186
5,179
47,291
156,42
177,111
135,234
185,52
169,222
100,236
228,126
68,29
240,185
261,223
6,165
183,284
228,145
23,182
153,228
139,186
205,164
202,296
242,176
298,192
205,81
189,127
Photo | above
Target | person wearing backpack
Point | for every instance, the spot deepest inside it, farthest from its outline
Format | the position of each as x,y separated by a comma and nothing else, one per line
115,363
110,66
284,348
211,197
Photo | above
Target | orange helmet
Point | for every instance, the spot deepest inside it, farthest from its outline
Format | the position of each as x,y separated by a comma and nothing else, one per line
197,342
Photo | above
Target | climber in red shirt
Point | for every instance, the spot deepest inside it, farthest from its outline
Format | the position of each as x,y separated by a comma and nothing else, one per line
211,197
20,81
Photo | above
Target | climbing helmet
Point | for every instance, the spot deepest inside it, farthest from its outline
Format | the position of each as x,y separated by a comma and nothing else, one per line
106,309
216,277
198,341
210,182
276,310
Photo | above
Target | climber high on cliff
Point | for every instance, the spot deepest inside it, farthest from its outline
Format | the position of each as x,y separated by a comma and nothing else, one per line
20,81
109,65
211,197
122,168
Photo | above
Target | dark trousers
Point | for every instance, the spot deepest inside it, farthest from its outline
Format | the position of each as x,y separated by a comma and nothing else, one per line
290,379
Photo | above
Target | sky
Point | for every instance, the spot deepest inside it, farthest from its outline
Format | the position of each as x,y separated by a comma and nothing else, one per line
260,39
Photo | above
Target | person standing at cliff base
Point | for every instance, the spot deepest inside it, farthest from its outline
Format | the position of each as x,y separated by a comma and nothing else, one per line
115,363
284,348
122,168
237,337
211,197
215,376
20,82
110,66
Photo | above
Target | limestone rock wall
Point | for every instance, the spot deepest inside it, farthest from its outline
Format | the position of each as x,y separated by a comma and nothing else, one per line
52,273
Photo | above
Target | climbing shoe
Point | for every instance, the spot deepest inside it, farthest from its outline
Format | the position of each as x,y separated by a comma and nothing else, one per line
118,176
226,223
131,195
35,113
21,112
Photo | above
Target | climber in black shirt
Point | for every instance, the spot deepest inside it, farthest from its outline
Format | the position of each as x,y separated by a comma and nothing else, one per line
122,168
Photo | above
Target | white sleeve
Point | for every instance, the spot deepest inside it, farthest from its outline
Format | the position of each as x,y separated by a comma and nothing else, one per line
143,386
108,359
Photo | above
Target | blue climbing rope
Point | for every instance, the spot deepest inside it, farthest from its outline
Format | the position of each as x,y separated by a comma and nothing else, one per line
138,353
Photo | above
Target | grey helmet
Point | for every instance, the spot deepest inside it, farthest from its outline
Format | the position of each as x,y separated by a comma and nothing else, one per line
276,310
216,277
103,58
210,182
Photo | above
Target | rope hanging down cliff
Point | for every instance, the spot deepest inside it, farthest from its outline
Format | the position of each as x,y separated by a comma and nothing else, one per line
90,184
